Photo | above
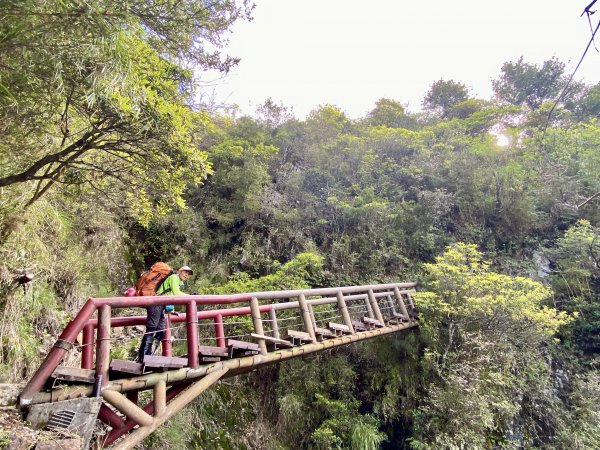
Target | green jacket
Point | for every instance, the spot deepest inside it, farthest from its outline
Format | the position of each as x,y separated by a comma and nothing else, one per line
171,286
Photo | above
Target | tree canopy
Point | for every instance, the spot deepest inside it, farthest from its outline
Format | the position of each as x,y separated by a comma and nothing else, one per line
97,95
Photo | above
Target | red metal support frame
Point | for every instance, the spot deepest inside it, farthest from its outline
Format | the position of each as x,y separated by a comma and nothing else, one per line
109,417
219,330
167,347
103,344
87,347
192,334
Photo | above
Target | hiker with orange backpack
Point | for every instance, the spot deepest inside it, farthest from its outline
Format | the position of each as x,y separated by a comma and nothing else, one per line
160,280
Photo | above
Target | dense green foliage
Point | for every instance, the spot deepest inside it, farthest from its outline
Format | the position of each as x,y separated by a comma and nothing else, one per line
108,166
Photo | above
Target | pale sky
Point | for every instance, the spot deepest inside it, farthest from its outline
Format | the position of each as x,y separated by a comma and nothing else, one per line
306,53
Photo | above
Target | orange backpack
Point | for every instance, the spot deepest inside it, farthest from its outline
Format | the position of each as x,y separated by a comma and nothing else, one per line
148,282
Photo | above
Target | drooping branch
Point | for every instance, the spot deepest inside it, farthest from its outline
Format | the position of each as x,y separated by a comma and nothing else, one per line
597,194
75,150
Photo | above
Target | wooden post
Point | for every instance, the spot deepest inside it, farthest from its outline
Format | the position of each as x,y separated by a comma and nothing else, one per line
410,300
369,308
401,302
257,321
160,398
127,407
312,316
192,333
274,325
308,325
148,426
344,311
103,343
375,306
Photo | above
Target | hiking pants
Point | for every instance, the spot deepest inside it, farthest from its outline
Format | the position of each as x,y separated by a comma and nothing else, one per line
155,329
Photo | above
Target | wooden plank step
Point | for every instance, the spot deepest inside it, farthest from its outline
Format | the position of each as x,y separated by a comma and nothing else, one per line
272,340
324,332
207,359
120,365
399,316
242,345
359,326
300,335
206,350
74,374
373,322
339,328
167,362
394,321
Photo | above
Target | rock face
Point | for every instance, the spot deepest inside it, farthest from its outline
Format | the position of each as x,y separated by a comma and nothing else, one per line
9,394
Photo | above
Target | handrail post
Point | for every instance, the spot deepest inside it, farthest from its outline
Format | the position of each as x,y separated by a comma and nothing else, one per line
375,306
220,331
308,326
410,300
103,343
401,302
369,307
192,333
87,350
344,311
167,347
313,319
257,321
274,324
392,307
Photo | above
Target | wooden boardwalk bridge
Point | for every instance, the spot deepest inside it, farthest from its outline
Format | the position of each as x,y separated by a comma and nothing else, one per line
218,336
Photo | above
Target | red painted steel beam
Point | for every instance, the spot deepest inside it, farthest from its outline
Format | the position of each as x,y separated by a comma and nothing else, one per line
103,344
202,315
192,334
219,330
110,418
167,347
87,349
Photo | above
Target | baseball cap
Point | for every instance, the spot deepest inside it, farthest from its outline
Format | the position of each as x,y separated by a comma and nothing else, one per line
187,269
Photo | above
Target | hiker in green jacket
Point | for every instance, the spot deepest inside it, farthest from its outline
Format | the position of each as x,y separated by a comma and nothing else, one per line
155,319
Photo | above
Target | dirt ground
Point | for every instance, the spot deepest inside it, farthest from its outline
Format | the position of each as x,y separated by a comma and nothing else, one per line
16,435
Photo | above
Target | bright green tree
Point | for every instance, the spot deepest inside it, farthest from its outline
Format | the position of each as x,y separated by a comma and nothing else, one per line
486,335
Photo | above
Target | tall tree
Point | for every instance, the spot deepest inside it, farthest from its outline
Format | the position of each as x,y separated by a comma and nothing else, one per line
522,83
444,95
390,113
